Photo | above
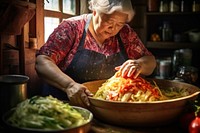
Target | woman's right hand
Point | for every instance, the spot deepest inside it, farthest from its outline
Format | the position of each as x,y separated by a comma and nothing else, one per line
130,68
78,94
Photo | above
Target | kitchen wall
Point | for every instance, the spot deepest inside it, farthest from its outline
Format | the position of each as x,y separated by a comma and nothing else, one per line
17,54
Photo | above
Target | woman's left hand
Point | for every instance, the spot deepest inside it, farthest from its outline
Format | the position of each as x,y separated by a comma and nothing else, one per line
130,68
78,94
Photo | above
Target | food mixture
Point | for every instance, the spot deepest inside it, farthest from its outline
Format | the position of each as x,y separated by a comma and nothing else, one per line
118,88
46,113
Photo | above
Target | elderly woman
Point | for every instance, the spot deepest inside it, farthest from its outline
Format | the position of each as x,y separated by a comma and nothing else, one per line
92,47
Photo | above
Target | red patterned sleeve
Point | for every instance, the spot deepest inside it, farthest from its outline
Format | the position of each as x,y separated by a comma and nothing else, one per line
63,38
133,45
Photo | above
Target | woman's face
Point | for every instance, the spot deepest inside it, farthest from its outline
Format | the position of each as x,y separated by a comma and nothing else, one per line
108,25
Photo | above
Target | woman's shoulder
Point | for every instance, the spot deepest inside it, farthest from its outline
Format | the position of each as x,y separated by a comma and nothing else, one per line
127,29
127,33
73,25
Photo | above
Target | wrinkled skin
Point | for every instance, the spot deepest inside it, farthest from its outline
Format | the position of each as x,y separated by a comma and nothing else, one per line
78,94
130,68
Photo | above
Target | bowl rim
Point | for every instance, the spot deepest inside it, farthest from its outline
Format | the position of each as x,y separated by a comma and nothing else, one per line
6,115
13,79
150,102
190,96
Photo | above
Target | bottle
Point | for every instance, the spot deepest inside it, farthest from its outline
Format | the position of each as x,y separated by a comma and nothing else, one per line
166,32
174,6
182,6
195,6
163,6
185,6
176,61
152,5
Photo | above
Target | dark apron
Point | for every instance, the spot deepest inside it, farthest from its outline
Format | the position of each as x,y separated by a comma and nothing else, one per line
88,65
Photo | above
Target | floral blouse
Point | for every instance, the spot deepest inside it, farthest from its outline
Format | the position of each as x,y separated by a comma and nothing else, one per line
62,44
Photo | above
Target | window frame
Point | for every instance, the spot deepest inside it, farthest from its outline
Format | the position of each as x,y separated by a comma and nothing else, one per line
41,13
60,14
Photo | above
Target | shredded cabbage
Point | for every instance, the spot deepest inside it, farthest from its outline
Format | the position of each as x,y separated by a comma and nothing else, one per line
46,113
122,89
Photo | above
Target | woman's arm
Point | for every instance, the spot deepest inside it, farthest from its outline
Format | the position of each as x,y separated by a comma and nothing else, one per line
141,60
50,73
147,63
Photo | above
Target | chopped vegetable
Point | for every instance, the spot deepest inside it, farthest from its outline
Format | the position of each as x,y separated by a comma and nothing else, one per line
46,113
118,88
126,89
194,126
190,121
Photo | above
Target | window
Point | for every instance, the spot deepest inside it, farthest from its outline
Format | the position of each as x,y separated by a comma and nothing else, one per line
69,6
57,10
50,24
51,5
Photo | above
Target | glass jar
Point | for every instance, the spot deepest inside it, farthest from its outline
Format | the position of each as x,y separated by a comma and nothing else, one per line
188,73
165,69
176,61
166,31
186,56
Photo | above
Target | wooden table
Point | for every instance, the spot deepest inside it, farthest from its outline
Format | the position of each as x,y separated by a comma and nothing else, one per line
101,127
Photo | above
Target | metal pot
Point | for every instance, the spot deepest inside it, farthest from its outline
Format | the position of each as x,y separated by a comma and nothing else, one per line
13,89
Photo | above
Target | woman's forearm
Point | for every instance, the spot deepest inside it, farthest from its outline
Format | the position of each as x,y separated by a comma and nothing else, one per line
50,73
148,64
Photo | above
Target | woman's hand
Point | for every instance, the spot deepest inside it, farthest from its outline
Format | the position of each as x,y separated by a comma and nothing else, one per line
130,68
49,72
78,94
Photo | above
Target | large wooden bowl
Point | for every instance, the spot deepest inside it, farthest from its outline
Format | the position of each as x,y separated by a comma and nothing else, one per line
141,113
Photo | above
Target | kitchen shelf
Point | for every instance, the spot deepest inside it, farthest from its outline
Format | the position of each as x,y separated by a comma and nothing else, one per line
180,23
172,45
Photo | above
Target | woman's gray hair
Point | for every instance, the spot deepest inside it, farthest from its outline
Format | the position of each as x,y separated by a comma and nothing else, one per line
110,6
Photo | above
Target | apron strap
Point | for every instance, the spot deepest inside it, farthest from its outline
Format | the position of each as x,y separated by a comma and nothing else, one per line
88,22
82,41
121,45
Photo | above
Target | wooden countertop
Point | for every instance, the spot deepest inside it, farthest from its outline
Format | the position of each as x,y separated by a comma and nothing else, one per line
101,127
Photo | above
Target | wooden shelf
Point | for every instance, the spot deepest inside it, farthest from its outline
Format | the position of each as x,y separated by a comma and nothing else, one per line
20,3
172,45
